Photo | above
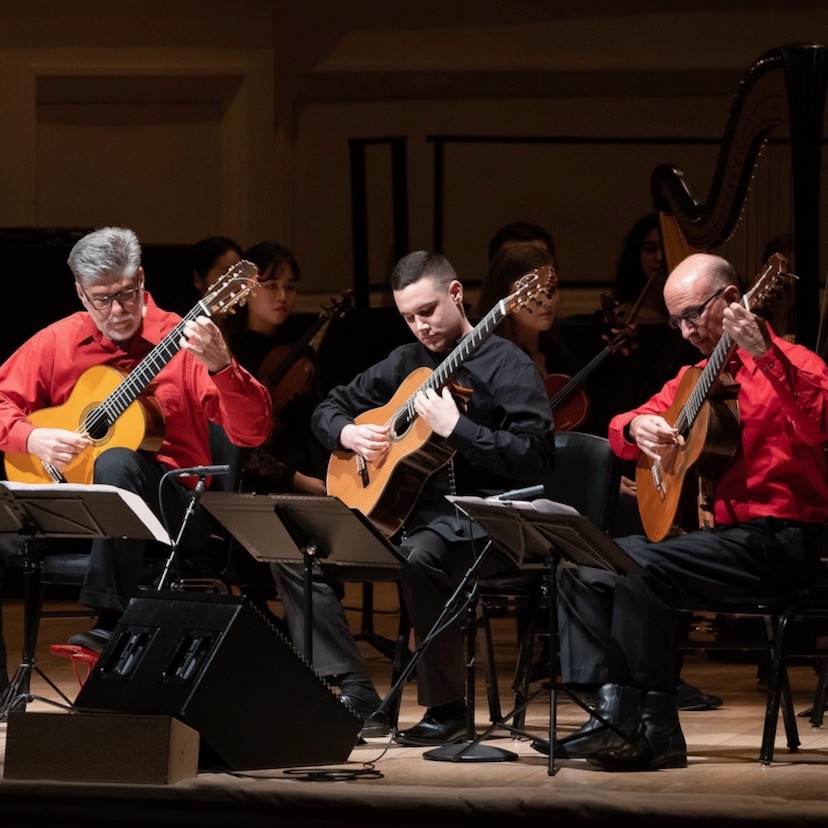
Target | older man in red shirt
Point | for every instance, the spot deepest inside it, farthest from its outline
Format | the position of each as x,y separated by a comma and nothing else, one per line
769,506
119,326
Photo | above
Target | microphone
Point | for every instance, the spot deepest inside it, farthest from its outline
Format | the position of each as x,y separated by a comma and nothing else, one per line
520,494
199,471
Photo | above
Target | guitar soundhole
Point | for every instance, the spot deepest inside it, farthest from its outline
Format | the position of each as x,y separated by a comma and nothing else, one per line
96,425
400,425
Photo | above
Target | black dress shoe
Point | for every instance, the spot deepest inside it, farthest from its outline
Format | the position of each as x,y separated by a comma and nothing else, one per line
359,705
689,697
431,731
657,742
95,639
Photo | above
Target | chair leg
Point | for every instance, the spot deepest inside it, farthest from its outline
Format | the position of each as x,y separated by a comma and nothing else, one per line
382,645
779,690
400,661
821,694
523,668
489,667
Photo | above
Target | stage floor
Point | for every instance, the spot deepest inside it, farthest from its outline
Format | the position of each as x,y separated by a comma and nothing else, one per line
389,785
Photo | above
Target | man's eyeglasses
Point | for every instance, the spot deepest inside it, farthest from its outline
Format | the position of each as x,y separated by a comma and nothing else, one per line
104,301
694,313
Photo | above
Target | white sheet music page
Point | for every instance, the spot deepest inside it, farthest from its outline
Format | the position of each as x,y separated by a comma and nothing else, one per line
131,500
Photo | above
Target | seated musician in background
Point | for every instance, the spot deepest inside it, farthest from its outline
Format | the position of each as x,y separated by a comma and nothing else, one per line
640,275
502,440
618,632
210,258
293,461
119,326
531,328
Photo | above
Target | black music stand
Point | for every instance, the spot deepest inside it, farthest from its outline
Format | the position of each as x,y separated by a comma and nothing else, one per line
302,529
64,510
540,534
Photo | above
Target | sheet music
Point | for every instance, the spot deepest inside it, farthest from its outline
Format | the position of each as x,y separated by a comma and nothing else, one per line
540,504
132,517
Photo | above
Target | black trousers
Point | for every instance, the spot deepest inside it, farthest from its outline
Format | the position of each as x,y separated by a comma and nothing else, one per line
435,568
622,629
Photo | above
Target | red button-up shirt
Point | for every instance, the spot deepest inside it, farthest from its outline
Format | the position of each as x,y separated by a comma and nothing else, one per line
44,370
779,466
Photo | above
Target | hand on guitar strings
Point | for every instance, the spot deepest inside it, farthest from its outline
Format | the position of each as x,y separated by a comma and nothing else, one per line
438,410
652,434
366,439
56,446
204,341
748,331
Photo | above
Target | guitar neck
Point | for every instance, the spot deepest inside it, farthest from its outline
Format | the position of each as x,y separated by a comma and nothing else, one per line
145,372
464,349
710,373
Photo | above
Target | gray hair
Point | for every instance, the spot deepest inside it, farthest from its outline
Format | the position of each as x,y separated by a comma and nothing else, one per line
105,254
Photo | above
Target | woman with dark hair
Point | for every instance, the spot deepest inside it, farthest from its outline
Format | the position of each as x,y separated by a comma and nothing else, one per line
210,258
532,328
640,275
292,460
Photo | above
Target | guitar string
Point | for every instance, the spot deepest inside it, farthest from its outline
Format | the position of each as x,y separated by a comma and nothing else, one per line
134,379
721,353
467,345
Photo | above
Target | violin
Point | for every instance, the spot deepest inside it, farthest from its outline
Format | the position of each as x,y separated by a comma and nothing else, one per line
287,371
568,402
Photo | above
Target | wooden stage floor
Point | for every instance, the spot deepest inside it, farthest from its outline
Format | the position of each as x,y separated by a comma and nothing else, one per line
389,785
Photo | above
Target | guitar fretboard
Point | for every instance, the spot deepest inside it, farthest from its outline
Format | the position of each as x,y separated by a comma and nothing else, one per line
448,367
142,374
718,359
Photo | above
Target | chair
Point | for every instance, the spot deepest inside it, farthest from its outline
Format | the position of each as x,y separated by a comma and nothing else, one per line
586,476
778,617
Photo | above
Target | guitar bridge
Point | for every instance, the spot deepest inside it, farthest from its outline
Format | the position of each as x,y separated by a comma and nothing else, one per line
362,470
658,480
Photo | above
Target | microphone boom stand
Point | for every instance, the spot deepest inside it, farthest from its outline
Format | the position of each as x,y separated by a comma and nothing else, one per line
378,723
172,558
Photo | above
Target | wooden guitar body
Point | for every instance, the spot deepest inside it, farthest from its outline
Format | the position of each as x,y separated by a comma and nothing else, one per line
668,487
140,426
387,490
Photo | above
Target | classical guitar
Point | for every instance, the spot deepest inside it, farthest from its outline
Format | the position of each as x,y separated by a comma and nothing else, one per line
386,490
114,410
706,415
568,402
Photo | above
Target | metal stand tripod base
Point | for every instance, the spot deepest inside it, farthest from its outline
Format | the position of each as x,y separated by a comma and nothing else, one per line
470,752
17,695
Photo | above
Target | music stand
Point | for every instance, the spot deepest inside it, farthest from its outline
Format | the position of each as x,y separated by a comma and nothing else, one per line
541,534
302,529
63,510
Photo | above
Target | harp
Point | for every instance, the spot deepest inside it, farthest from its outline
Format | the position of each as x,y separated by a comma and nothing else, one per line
780,100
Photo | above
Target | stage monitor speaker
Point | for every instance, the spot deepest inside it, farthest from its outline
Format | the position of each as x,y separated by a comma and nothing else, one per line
215,663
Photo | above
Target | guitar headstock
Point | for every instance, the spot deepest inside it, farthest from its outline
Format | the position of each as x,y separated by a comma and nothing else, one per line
231,288
772,280
533,288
